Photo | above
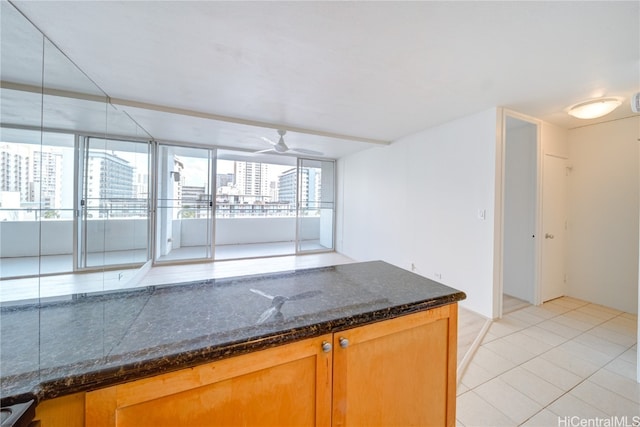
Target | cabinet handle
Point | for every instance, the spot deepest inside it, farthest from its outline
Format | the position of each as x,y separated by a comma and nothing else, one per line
344,343
326,346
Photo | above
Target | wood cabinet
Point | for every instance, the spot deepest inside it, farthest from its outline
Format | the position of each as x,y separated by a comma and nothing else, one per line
397,372
65,411
286,385
400,372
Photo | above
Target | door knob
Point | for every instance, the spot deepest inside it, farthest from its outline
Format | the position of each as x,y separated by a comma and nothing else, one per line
326,347
548,236
344,343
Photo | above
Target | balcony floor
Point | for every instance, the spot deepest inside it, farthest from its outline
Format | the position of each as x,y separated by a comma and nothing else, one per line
56,264
17,267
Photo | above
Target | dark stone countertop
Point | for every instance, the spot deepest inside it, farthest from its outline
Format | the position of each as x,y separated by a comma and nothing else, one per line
54,349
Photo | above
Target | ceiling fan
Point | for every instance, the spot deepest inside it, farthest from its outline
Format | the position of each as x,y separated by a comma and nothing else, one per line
281,147
277,301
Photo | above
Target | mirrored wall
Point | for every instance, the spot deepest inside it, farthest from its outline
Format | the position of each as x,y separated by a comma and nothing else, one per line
74,206
84,189
88,201
74,175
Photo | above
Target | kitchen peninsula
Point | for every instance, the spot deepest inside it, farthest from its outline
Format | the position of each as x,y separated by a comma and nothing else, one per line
357,344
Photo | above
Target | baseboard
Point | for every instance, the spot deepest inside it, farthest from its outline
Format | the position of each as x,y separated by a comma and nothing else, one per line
464,363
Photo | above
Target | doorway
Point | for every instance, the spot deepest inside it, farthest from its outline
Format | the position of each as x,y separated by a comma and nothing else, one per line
520,213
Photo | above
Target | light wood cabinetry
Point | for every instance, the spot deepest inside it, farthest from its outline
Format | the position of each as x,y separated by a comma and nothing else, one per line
400,372
65,411
287,385
397,372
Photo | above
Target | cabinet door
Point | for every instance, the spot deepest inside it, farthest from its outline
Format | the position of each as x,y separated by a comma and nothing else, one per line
65,411
288,385
400,372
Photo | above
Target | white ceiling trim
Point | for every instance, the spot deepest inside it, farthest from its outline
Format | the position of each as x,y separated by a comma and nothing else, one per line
227,119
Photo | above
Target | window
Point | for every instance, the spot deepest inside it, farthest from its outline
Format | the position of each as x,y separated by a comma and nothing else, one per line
36,202
183,216
270,205
114,203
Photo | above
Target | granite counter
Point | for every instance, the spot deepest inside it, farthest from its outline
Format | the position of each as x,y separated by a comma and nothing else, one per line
93,341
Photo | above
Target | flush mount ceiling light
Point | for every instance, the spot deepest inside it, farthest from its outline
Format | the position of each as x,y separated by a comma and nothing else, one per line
594,108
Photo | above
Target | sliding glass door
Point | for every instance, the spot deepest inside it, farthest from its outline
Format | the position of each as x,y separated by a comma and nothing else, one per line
316,203
113,229
36,203
184,229
269,205
255,205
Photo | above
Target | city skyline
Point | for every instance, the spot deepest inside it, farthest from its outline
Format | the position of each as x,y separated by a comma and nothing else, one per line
40,175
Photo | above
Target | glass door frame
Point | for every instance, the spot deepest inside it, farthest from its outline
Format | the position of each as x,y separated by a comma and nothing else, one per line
299,207
80,243
156,208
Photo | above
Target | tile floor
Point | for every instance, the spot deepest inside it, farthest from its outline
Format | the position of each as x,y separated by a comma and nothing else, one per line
470,331
560,364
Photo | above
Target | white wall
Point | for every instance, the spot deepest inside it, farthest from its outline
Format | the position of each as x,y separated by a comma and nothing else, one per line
603,214
372,205
554,140
417,202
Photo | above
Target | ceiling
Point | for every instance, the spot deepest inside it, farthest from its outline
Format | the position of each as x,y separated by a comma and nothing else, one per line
341,76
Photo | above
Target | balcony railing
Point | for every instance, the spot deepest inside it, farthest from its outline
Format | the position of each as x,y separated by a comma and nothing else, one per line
50,232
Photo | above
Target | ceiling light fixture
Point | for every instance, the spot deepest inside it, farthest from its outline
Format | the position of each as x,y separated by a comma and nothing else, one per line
594,108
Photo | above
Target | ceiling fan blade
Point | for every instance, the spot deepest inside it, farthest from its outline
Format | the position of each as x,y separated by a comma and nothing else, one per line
256,291
268,150
265,139
266,315
305,151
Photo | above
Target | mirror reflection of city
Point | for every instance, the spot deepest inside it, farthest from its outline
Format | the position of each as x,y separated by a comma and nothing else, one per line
101,187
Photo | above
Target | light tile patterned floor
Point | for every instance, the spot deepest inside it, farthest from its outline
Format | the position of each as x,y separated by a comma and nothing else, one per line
541,366
470,326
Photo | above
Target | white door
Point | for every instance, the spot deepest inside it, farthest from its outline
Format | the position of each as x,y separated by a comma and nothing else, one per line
554,214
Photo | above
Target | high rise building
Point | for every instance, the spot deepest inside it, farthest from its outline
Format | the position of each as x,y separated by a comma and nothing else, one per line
34,173
110,184
14,170
310,187
47,182
287,187
225,179
194,195
252,178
